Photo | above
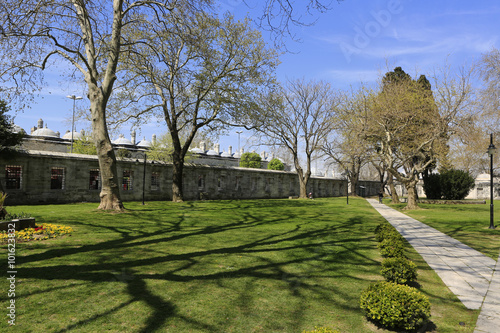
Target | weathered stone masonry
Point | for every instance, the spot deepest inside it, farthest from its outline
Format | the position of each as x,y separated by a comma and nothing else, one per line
56,177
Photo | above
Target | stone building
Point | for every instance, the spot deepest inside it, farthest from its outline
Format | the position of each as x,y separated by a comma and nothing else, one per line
46,173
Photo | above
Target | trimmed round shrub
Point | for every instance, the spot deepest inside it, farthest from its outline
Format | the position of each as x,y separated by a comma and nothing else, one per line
322,330
395,306
399,270
391,247
275,164
250,160
386,231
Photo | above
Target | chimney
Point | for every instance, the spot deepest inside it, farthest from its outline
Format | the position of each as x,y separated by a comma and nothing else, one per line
217,148
153,139
230,150
203,146
133,137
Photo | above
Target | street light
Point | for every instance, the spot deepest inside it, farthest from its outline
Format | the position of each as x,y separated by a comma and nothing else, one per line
239,132
346,175
143,177
74,98
491,151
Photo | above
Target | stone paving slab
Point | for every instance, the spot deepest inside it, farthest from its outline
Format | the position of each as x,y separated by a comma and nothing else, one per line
465,271
489,318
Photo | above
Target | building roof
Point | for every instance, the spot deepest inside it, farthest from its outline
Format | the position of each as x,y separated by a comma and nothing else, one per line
45,131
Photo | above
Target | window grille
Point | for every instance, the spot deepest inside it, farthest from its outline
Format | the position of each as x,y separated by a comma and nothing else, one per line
56,178
94,179
127,180
13,177
155,181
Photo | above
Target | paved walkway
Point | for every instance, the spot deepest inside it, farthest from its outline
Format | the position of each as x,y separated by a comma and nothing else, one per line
469,274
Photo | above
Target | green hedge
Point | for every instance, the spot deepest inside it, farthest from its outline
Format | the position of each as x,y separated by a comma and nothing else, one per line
391,247
394,306
386,231
399,270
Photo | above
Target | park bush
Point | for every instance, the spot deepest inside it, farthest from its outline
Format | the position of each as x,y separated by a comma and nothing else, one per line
452,184
394,306
432,186
399,270
391,248
386,231
322,330
275,164
456,184
250,160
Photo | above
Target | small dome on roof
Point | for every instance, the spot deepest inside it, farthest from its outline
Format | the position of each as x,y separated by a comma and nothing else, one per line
17,129
144,143
483,177
197,150
225,154
45,132
76,135
212,152
122,140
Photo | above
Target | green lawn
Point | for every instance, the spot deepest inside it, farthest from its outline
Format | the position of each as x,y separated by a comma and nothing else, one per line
214,266
466,223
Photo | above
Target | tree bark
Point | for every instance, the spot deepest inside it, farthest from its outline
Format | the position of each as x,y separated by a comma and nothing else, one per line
394,194
412,196
177,172
110,191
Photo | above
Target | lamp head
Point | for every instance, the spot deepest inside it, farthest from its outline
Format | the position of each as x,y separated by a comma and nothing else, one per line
492,149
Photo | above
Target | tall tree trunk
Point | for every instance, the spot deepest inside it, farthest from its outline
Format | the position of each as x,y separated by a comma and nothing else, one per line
354,184
177,172
302,188
392,188
412,196
110,191
303,180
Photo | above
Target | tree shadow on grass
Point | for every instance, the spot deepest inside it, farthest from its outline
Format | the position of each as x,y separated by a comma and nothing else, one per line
275,256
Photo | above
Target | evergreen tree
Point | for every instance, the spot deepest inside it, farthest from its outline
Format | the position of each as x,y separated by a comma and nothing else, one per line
8,139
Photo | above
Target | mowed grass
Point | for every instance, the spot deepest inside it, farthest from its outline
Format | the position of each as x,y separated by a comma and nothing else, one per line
213,266
466,223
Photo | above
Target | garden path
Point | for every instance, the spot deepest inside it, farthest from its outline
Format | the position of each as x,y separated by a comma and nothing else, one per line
473,277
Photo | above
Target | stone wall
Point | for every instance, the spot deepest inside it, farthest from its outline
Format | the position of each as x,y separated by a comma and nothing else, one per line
200,181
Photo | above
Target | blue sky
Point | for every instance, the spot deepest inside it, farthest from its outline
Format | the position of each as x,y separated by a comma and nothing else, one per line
357,40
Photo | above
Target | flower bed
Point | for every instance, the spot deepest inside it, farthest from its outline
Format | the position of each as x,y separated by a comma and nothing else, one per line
40,232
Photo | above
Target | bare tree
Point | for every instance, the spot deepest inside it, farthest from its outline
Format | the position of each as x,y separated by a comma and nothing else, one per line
347,146
197,71
298,117
87,35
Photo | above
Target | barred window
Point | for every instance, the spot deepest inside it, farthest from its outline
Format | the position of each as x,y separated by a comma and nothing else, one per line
127,180
94,181
13,177
201,182
56,178
220,183
155,181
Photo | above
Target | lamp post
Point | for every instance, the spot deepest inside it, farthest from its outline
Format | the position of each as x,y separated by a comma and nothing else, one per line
239,132
491,151
143,177
346,174
74,98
